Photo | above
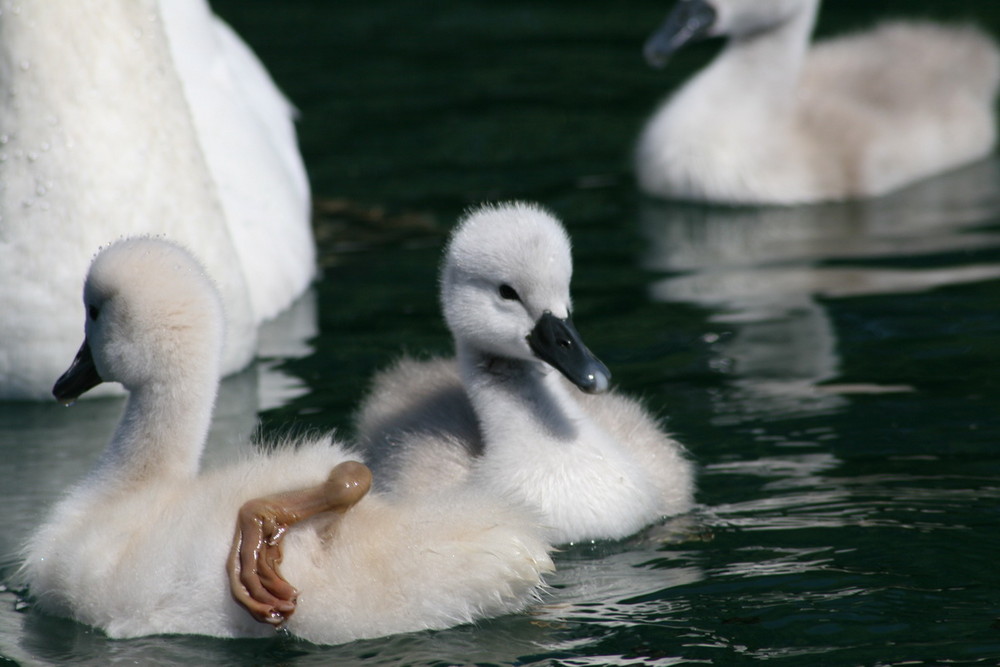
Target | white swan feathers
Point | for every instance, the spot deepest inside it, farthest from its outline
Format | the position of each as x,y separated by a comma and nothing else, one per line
771,120
504,414
139,546
128,117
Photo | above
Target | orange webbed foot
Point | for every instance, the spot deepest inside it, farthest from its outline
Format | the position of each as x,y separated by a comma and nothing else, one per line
254,578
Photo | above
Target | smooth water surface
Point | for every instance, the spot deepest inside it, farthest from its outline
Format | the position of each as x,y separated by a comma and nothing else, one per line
831,368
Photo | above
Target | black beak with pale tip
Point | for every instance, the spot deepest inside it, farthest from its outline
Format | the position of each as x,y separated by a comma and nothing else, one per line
557,342
79,378
690,20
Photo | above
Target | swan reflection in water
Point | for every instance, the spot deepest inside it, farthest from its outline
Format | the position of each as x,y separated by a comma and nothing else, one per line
764,273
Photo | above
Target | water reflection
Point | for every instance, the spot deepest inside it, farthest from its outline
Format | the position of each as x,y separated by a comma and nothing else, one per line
614,589
288,336
763,271
809,491
636,587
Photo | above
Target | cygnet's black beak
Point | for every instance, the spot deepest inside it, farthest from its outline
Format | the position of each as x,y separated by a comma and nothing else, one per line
557,342
689,20
80,377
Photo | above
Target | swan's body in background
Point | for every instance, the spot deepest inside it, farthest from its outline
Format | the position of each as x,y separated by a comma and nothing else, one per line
504,414
774,119
129,117
140,545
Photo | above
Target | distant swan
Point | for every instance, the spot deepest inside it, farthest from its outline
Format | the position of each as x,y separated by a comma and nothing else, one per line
504,414
140,545
129,117
772,120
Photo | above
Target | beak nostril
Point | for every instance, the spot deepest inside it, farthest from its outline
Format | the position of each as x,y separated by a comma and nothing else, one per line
556,342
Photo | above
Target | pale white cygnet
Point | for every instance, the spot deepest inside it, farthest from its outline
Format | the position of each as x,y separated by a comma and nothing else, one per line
507,414
774,119
140,545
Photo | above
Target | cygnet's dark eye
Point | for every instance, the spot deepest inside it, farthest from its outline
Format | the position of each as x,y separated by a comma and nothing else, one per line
509,293
93,312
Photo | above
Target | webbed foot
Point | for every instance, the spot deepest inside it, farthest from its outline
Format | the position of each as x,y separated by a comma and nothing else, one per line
254,578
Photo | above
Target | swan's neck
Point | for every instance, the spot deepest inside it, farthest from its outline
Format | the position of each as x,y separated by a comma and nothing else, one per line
762,67
542,448
162,432
518,401
770,60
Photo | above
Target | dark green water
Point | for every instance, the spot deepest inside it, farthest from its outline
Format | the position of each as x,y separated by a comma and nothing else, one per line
832,368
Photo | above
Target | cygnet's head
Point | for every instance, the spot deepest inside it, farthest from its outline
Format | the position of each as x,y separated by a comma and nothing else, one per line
505,291
152,315
691,20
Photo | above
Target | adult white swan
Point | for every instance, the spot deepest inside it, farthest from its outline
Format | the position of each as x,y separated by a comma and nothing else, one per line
140,545
126,117
775,120
505,414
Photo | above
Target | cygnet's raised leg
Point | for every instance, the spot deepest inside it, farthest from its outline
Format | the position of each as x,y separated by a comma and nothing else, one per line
256,552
